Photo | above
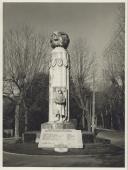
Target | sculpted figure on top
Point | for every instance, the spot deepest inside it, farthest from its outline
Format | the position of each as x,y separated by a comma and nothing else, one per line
59,39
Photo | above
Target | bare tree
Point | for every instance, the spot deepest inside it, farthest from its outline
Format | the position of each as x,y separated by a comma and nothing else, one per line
114,70
81,64
24,56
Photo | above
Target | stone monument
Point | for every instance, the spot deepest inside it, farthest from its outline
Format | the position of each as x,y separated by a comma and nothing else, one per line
59,130
59,78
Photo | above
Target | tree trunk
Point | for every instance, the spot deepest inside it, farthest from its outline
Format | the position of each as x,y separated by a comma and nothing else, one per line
111,122
83,120
102,117
96,121
93,104
89,125
26,119
17,121
88,118
25,110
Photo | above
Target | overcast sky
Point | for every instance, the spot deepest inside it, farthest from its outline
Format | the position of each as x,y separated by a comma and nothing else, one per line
94,22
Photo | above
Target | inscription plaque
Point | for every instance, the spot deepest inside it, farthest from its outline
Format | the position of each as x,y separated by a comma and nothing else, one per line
65,138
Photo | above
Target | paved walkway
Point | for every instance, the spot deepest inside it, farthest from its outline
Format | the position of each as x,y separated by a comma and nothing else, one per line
117,138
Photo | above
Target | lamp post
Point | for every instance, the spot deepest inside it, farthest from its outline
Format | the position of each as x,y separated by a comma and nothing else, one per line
17,99
93,103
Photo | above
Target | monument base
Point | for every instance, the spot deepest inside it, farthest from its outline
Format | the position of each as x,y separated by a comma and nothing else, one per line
58,125
60,138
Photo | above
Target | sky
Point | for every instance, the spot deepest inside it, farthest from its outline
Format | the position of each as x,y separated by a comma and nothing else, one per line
94,22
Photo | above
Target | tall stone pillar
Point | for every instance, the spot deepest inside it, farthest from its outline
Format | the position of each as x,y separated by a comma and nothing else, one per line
59,78
59,67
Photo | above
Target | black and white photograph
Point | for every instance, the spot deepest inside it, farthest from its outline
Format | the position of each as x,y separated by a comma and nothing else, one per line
64,84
